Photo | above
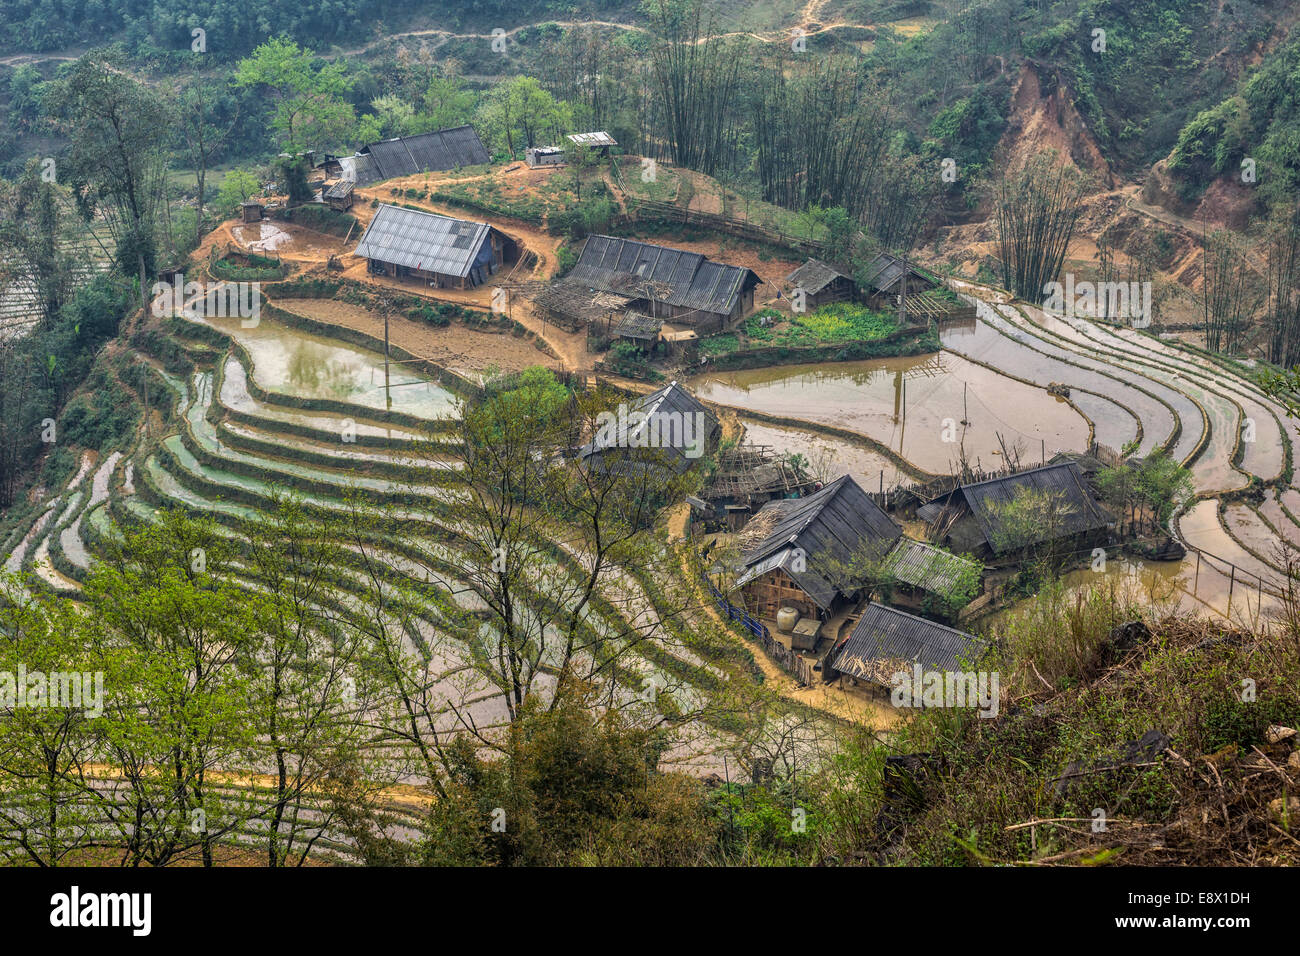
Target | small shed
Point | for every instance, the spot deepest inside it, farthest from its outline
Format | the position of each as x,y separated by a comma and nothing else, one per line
639,328
252,210
929,579
820,284
536,156
340,195
886,641
747,477
598,141
887,275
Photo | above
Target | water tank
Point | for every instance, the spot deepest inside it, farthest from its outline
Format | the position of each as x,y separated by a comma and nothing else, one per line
786,619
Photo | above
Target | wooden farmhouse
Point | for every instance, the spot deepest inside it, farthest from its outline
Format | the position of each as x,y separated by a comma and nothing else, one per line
437,250
251,210
794,544
886,641
973,518
669,428
815,284
684,288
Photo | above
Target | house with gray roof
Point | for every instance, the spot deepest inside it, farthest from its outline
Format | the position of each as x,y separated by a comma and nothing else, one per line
820,284
669,428
886,641
797,550
978,518
435,151
681,287
437,250
929,579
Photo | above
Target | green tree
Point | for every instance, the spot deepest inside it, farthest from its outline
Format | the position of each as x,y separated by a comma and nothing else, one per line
171,632
115,163
307,93
236,187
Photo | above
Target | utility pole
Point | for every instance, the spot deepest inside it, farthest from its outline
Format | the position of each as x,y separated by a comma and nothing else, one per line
388,393
902,296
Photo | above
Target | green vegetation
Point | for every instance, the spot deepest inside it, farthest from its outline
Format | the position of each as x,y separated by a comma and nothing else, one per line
838,323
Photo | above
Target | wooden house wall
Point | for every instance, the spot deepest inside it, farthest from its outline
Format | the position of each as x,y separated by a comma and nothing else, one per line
767,594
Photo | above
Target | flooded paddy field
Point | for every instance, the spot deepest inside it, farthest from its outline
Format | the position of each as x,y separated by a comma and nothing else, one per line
914,406
1114,407
307,366
827,455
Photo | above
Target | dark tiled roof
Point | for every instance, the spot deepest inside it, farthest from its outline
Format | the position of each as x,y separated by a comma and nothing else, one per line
434,151
424,240
684,280
814,275
840,521
886,635
1077,510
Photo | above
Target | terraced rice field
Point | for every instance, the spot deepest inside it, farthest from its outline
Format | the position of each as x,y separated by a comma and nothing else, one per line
914,407
282,411
1128,390
275,409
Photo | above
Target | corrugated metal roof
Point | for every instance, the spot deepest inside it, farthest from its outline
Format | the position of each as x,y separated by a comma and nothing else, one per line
840,521
884,271
598,138
884,635
932,569
812,583
814,275
1077,510
424,240
654,409
340,190
359,169
640,270
634,325
435,151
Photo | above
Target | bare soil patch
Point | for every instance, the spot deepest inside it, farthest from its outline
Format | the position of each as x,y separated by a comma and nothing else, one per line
455,346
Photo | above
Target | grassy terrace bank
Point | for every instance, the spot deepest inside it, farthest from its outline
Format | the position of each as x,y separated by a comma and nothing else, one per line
834,333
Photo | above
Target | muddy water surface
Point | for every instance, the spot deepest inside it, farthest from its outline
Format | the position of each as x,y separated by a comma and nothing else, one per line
914,406
303,365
